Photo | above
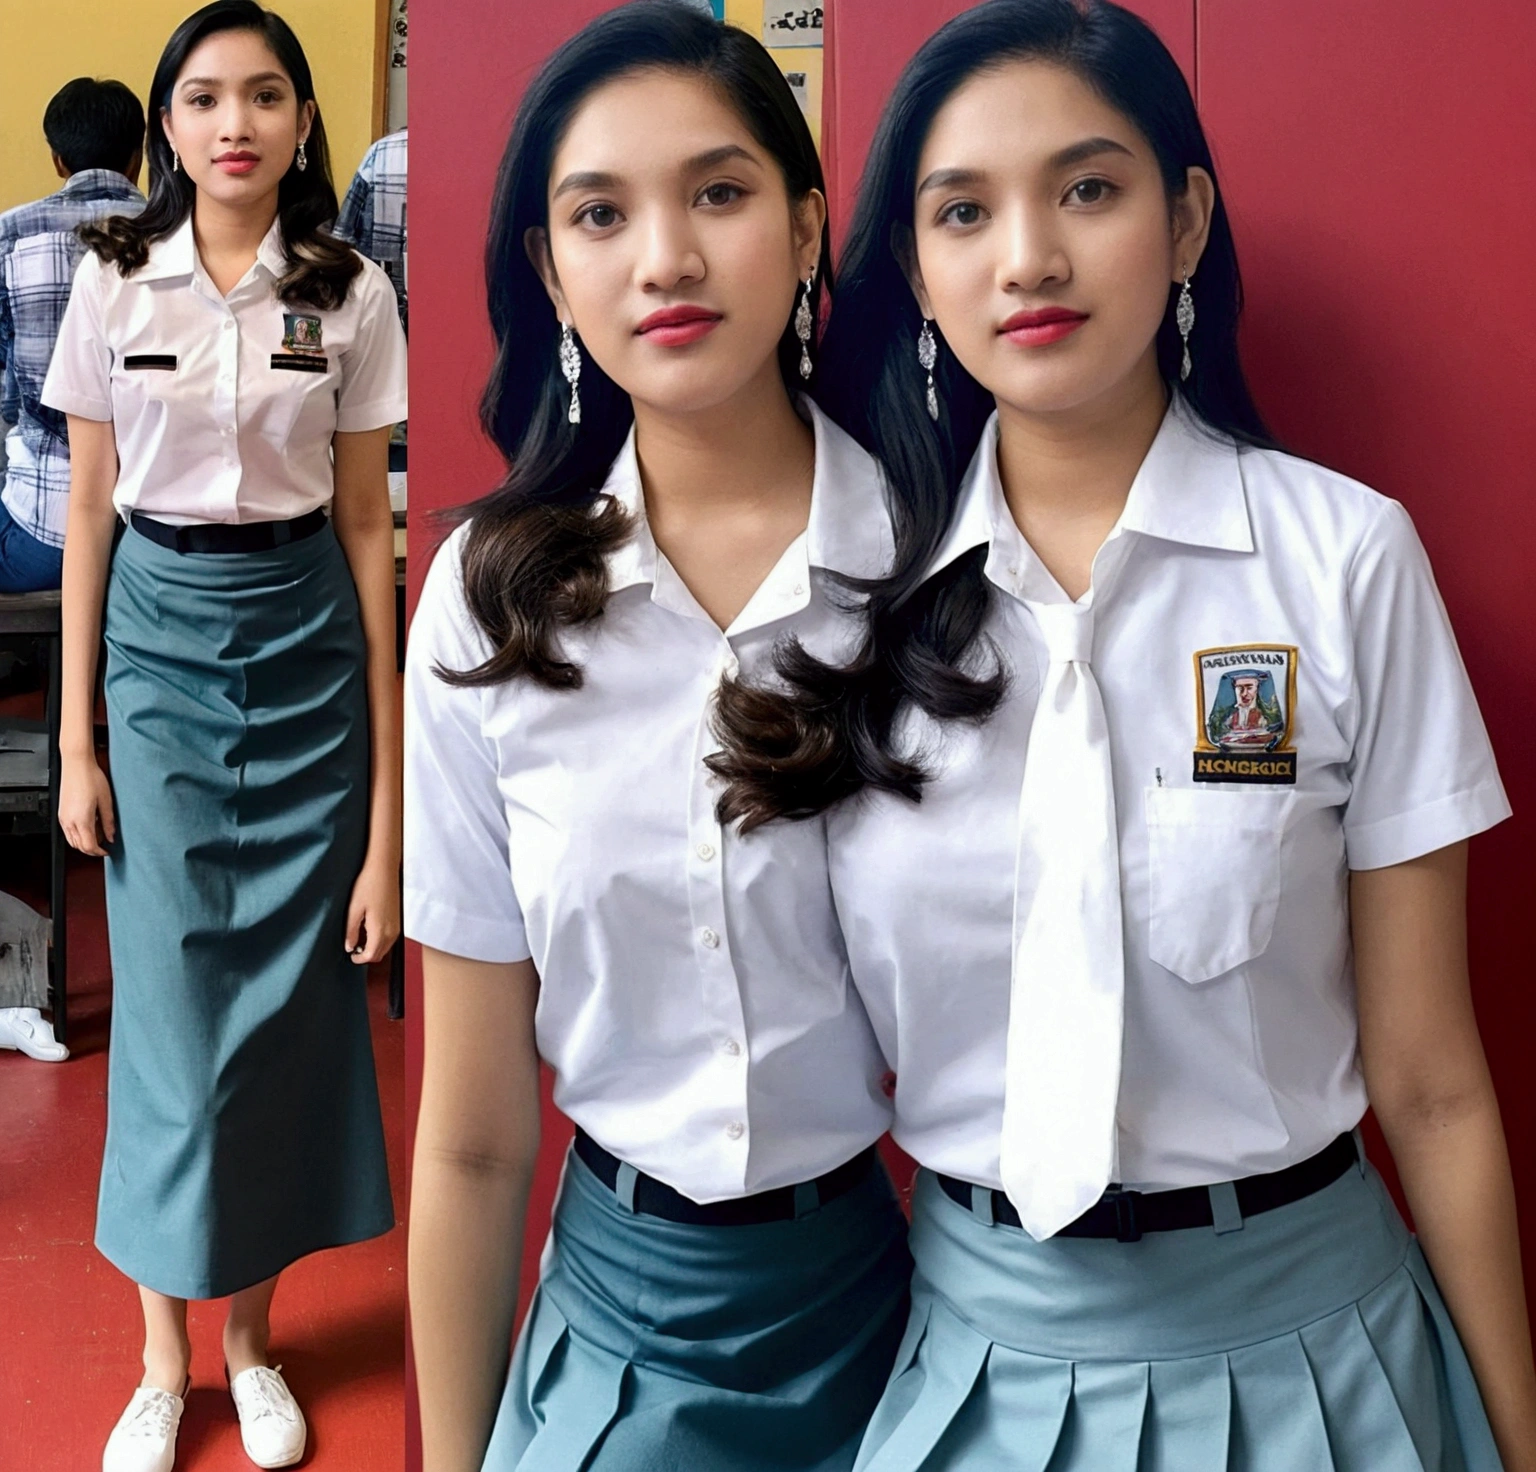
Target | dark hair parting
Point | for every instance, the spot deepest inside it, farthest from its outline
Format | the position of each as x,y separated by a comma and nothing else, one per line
321,268
534,555
924,645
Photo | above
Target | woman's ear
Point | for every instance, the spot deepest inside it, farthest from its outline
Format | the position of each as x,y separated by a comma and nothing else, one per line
306,120
165,127
536,245
810,216
904,248
1192,212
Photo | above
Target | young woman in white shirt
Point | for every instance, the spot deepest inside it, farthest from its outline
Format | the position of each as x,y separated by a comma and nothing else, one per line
725,1282
1197,761
230,371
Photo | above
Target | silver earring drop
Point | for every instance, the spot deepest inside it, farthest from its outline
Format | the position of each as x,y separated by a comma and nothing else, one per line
928,355
570,365
803,324
1184,315
175,161
301,161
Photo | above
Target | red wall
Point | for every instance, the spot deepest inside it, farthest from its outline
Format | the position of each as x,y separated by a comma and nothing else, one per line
1379,161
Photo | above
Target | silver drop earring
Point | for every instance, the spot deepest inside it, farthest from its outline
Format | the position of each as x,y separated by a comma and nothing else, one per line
570,365
928,355
175,161
1184,315
803,324
301,161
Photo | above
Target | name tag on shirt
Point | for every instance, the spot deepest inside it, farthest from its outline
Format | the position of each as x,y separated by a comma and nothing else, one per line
293,363
150,360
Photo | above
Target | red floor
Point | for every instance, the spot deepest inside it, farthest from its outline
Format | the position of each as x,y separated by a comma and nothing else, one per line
70,1332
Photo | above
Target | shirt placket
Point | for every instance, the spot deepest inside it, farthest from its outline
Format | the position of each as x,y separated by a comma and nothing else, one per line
720,988
226,406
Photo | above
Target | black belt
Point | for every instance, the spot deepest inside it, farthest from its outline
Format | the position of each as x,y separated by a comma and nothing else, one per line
219,536
782,1204
1127,1215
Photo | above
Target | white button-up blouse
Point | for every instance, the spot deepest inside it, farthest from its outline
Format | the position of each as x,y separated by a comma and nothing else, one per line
1285,702
223,408
694,999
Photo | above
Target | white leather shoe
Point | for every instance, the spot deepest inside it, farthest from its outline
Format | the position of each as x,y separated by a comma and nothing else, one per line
144,1439
271,1424
28,1031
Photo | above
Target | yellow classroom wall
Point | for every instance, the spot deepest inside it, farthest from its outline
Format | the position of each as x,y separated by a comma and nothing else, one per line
44,43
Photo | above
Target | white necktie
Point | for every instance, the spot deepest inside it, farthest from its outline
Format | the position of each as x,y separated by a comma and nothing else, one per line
1067,1004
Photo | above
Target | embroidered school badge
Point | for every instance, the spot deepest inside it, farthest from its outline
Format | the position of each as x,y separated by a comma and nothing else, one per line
1246,712
301,334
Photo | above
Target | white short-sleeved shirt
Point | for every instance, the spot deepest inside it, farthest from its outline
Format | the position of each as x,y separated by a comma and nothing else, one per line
694,999
1262,622
223,408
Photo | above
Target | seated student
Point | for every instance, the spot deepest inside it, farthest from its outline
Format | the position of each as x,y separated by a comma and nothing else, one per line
96,132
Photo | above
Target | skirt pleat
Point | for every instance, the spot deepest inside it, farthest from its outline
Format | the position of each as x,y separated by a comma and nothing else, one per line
1313,1339
652,1346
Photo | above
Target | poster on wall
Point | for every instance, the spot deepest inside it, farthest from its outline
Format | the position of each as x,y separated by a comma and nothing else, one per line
793,33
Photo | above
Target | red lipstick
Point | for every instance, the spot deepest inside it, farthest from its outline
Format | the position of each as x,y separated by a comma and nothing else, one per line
237,161
1036,329
674,327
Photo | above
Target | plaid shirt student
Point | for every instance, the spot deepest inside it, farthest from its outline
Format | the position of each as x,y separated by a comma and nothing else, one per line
39,251
372,218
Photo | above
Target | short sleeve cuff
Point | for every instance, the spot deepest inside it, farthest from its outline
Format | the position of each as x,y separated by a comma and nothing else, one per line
439,925
358,418
1406,836
67,401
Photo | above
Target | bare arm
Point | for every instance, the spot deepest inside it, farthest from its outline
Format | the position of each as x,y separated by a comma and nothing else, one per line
1429,1085
85,796
365,528
477,1138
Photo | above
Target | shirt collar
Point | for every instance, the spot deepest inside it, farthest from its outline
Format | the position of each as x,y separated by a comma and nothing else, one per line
176,254
848,532
1189,489
100,184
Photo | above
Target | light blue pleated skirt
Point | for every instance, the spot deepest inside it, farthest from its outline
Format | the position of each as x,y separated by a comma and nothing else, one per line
1313,1339
654,1346
243,1126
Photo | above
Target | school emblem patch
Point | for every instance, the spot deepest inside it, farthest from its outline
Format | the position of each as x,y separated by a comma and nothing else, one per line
301,334
1246,711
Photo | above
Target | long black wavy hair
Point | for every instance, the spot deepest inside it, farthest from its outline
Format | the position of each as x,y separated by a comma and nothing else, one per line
321,268
534,556
923,643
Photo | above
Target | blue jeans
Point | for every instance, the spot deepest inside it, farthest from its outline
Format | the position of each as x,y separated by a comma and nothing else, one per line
26,565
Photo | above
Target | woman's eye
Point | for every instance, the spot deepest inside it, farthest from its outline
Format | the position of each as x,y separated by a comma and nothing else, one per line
202,99
600,216
721,194
966,212
1091,191
266,97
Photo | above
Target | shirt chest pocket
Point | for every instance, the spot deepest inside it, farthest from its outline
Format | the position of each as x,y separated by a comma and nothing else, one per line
297,398
1214,873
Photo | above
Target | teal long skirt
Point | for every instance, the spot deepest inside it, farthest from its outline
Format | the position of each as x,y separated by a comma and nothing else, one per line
654,1346
243,1125
1311,1339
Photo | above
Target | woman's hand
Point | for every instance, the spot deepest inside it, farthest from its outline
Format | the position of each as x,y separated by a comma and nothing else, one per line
85,806
373,916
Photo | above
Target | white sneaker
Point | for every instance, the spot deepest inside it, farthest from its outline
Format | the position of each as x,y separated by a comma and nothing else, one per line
26,1029
144,1439
271,1424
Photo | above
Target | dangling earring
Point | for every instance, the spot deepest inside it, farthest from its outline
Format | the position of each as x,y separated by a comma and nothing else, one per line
803,324
300,160
928,355
175,161
1184,315
570,365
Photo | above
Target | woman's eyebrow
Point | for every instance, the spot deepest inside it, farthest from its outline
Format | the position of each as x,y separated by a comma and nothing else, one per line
249,81
1065,158
700,163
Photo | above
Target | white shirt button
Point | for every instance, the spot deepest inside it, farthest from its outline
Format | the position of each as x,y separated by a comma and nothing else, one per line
735,1129
732,1048
705,851
708,938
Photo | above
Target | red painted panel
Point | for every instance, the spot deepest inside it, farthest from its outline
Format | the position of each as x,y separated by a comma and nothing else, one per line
1379,160
872,40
